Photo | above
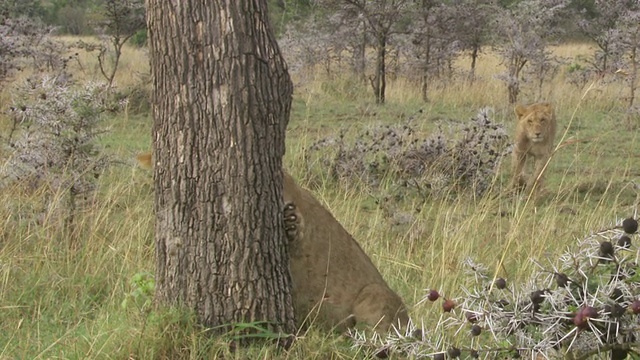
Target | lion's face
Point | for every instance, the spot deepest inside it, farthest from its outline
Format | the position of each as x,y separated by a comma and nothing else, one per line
536,120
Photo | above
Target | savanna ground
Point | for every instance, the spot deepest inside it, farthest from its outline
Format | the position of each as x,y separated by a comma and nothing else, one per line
82,295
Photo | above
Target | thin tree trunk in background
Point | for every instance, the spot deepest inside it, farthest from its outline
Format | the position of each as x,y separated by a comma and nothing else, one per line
474,59
360,62
380,80
633,77
222,98
424,88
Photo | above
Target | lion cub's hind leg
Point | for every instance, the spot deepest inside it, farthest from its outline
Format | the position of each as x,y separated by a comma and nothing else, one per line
292,222
380,308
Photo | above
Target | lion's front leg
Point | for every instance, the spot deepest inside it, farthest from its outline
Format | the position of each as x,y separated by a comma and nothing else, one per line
518,159
541,163
292,222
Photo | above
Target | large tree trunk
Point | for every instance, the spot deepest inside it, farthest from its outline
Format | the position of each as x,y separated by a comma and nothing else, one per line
222,98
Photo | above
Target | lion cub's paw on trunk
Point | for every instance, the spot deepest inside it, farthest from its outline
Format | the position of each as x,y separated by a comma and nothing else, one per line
292,223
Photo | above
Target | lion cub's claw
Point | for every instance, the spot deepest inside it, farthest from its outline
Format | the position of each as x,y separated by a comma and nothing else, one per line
291,221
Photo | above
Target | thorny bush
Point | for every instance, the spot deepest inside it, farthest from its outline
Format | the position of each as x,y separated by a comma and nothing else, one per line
584,304
458,158
27,43
52,145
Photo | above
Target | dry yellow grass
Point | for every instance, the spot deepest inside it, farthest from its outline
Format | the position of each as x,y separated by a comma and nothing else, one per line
487,90
58,303
134,62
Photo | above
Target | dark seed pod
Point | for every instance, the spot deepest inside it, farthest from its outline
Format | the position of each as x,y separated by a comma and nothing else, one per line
439,356
382,353
579,321
606,248
562,280
471,317
624,242
582,316
619,354
454,352
630,225
618,310
476,330
474,354
500,283
536,297
433,295
635,306
590,312
448,305
417,334
614,311
616,295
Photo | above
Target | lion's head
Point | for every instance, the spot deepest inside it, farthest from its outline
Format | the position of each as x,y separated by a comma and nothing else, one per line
537,121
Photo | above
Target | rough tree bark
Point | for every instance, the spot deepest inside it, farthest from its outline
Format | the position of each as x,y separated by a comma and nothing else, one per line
222,98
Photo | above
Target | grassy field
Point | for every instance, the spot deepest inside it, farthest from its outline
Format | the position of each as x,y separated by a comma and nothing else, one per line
77,295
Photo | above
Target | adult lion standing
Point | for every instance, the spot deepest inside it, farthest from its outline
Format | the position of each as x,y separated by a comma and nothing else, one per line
535,135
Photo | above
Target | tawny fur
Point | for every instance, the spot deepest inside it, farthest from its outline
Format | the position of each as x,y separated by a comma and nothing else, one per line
534,138
335,284
144,159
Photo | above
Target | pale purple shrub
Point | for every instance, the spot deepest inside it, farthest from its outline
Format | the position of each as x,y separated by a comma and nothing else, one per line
53,145
459,157
27,43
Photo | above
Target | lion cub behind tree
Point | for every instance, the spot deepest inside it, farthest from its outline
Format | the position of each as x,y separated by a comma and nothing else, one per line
535,134
335,284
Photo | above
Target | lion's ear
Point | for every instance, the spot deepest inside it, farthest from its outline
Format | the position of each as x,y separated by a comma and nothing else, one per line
520,110
144,160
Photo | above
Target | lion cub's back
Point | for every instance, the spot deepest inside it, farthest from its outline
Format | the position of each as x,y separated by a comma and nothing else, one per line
326,261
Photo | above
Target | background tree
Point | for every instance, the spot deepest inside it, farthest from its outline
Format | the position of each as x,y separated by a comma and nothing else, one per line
471,19
317,40
221,105
26,8
613,27
26,43
284,12
630,43
382,19
122,20
601,25
524,32
432,45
